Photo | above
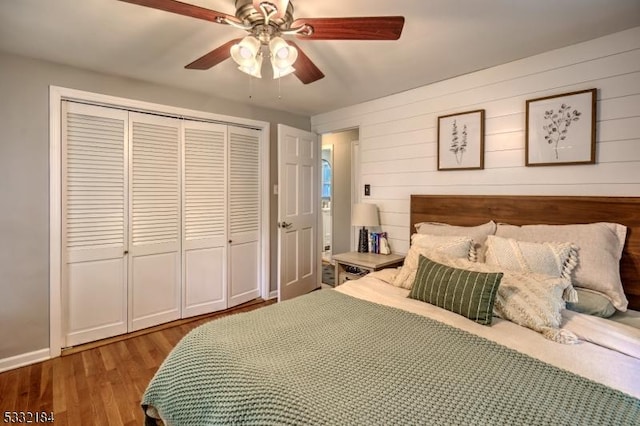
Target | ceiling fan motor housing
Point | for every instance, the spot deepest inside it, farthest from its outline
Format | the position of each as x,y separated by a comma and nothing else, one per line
261,28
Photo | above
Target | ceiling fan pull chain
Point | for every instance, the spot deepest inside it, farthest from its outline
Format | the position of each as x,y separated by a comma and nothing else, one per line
279,88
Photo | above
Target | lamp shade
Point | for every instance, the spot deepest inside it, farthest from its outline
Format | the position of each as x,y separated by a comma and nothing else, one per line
283,56
281,72
246,52
254,69
364,214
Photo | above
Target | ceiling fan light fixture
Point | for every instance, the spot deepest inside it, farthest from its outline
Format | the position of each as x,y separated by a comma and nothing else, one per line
281,72
266,21
283,56
254,68
246,53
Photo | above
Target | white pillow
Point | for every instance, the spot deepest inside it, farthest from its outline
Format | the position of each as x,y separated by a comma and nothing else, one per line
477,233
599,248
422,244
530,300
554,259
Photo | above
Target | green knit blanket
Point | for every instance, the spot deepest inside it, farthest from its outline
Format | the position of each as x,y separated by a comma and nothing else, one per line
331,359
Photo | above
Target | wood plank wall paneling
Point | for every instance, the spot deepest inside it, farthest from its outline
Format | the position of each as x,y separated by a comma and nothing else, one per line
398,132
102,385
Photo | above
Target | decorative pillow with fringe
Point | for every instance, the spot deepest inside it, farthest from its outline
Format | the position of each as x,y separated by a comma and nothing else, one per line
548,258
531,300
477,233
423,244
600,248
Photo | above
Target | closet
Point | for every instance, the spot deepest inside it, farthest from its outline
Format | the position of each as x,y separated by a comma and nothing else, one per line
160,219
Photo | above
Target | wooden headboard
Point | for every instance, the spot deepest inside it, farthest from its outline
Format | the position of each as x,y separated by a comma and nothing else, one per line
468,210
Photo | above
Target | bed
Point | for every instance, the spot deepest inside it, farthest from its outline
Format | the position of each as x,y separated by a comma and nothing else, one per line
365,353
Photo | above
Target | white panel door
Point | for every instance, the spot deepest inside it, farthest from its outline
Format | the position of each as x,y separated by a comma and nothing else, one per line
154,228
204,241
94,219
298,205
244,215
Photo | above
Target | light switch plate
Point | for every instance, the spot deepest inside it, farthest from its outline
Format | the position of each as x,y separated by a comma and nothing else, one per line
367,189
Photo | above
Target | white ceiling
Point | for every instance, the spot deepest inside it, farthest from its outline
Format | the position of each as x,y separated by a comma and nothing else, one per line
441,39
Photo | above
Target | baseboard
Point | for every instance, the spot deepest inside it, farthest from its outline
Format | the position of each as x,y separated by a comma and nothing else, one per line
24,359
273,295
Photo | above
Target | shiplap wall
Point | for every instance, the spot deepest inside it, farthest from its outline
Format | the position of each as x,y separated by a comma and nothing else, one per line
398,133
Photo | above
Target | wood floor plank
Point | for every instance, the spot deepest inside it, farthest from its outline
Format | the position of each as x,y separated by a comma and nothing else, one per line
100,384
72,402
144,351
9,384
162,342
22,400
60,391
127,407
110,405
86,402
45,392
35,383
108,357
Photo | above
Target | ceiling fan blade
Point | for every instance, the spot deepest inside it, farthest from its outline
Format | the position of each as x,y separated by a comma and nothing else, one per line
214,57
184,9
306,71
281,6
365,28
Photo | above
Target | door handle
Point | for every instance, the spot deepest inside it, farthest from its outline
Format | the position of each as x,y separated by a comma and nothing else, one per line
285,225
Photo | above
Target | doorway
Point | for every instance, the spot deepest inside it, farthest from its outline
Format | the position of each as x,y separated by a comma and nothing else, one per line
337,196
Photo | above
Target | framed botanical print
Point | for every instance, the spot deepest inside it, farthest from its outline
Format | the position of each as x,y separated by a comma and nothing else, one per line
561,129
461,141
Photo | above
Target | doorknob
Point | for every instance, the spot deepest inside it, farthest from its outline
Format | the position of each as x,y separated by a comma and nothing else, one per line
285,225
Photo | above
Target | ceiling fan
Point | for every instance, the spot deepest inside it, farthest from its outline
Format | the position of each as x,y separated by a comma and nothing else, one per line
266,21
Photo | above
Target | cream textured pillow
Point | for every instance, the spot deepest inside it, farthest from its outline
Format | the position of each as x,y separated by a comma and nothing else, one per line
599,248
477,233
554,259
530,300
422,244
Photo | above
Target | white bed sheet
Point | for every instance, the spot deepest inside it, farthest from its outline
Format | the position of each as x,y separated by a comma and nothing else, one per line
612,368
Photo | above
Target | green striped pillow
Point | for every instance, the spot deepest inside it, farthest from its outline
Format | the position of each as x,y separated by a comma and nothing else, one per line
468,293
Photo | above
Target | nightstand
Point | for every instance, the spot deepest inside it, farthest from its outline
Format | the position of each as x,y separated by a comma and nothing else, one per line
354,265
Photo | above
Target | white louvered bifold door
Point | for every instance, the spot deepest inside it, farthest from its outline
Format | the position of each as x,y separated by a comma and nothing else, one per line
94,209
155,223
244,215
204,243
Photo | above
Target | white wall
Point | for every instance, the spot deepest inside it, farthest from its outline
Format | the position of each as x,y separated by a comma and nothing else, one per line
398,132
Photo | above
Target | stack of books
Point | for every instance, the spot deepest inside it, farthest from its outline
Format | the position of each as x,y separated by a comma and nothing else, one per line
378,243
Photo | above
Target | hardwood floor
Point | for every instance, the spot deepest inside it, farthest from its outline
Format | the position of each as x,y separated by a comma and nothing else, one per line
101,385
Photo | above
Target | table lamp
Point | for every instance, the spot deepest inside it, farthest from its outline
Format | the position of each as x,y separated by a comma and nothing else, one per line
364,214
